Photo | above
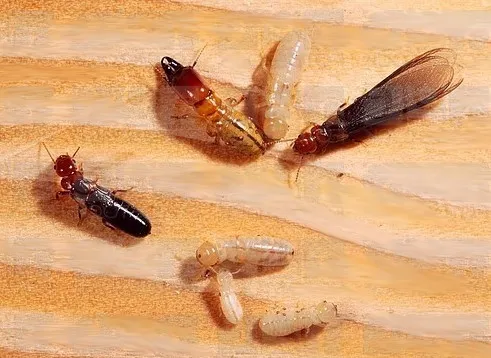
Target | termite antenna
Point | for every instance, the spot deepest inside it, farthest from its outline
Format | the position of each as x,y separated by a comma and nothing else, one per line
208,272
48,152
197,57
76,152
283,140
299,167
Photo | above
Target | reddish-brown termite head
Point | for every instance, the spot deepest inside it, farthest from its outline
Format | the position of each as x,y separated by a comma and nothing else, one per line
65,167
311,142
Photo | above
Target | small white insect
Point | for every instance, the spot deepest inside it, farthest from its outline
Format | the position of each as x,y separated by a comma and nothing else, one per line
284,321
289,60
263,251
231,308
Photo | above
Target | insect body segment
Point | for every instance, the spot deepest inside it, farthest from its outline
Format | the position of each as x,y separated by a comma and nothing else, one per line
421,81
115,212
289,60
229,302
284,321
224,122
257,251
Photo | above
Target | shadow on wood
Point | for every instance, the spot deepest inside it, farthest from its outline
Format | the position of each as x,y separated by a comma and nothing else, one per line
64,210
191,271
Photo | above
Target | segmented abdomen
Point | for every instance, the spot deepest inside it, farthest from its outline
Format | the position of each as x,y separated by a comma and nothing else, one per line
260,251
284,322
118,213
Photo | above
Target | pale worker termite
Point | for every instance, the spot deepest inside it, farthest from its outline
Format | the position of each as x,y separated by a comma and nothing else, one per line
286,68
229,303
262,251
283,321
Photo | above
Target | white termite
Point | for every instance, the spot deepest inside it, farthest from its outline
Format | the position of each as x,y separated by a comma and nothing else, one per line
231,308
283,322
262,251
286,67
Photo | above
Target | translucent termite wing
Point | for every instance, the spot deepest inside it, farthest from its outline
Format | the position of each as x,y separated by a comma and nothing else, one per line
231,307
284,322
286,68
262,251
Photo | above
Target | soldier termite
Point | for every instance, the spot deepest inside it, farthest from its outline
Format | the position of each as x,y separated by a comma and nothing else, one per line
115,212
231,307
283,322
262,251
286,68
223,121
421,81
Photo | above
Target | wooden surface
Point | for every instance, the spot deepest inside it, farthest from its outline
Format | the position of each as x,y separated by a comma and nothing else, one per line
400,242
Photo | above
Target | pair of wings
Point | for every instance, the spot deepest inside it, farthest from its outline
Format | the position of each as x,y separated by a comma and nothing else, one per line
422,80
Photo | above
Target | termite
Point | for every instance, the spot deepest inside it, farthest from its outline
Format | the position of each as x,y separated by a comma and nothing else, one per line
286,68
116,213
229,303
261,251
283,322
419,82
224,122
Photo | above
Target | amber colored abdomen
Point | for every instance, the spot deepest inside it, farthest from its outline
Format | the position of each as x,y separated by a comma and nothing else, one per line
190,86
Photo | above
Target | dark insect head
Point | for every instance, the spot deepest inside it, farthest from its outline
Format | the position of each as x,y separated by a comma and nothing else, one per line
171,67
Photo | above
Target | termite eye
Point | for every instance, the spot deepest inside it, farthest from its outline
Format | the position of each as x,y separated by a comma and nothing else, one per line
199,256
293,252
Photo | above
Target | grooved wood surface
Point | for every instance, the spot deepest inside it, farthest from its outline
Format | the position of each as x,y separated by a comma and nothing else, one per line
400,242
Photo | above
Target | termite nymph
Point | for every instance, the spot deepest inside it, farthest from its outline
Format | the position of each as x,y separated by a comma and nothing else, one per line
116,213
284,322
286,68
419,82
229,303
223,121
262,251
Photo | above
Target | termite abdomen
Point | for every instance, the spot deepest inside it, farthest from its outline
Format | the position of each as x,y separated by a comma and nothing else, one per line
115,212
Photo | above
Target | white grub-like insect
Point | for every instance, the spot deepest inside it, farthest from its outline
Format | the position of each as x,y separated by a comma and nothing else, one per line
283,322
289,60
262,251
231,308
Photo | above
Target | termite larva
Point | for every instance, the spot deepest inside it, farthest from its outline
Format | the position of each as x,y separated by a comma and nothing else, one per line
286,68
231,308
284,321
263,251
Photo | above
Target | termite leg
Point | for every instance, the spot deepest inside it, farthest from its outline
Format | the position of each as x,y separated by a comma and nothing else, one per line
121,190
80,216
236,271
235,102
108,225
212,131
81,168
343,106
62,193
180,117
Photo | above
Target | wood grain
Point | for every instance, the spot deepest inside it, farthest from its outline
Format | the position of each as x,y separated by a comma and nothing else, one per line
400,242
